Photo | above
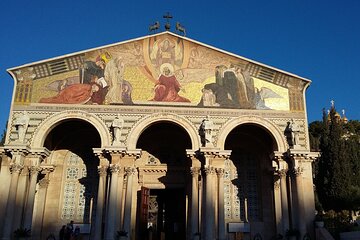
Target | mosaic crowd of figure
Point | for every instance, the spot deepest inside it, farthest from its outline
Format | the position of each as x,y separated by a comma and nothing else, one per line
99,81
234,88
163,69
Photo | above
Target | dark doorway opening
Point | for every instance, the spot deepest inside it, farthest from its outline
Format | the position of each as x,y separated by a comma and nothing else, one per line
166,214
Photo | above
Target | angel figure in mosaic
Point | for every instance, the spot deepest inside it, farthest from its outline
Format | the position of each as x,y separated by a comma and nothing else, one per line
261,95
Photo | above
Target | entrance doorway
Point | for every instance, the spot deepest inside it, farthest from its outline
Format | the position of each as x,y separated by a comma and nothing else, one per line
162,205
166,214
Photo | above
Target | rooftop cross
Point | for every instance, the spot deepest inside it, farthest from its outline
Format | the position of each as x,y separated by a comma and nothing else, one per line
167,17
332,103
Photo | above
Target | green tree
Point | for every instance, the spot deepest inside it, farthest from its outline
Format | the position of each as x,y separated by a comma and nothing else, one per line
336,172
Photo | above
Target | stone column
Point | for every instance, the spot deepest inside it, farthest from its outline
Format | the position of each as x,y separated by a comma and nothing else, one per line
284,201
277,203
96,233
41,203
5,179
209,203
20,198
300,200
34,159
119,200
34,172
10,206
130,172
111,218
221,211
194,217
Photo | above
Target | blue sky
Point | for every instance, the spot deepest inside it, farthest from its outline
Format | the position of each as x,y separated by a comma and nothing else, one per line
318,39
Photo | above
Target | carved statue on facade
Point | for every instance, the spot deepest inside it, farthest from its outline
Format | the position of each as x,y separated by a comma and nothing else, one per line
21,124
292,132
117,126
205,132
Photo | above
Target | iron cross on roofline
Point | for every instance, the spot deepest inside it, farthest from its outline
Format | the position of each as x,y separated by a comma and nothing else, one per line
167,17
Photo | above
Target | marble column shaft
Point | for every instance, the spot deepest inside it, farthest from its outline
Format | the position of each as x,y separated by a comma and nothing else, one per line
102,170
111,222
194,218
209,204
221,211
10,206
39,214
130,172
284,202
277,204
119,200
34,172
300,200
20,198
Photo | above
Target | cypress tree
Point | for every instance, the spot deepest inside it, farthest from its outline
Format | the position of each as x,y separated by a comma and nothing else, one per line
333,177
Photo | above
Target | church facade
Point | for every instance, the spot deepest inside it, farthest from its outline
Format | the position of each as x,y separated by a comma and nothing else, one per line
160,137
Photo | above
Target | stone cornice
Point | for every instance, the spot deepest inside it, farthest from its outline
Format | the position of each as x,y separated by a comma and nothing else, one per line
47,168
302,155
111,150
39,152
18,149
215,152
175,109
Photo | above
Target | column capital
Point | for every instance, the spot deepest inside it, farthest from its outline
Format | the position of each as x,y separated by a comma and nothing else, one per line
195,171
16,168
209,170
220,172
282,172
297,171
130,171
44,183
34,169
102,170
114,168
25,171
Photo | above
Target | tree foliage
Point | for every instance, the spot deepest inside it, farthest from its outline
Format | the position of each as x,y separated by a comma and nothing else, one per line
337,177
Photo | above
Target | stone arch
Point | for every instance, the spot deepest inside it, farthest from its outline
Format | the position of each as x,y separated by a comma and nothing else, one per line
51,122
276,133
157,117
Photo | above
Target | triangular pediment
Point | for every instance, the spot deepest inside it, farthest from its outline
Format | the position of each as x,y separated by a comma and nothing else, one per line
161,69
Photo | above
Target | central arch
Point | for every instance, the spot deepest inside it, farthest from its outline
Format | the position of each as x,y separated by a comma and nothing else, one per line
165,174
158,117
